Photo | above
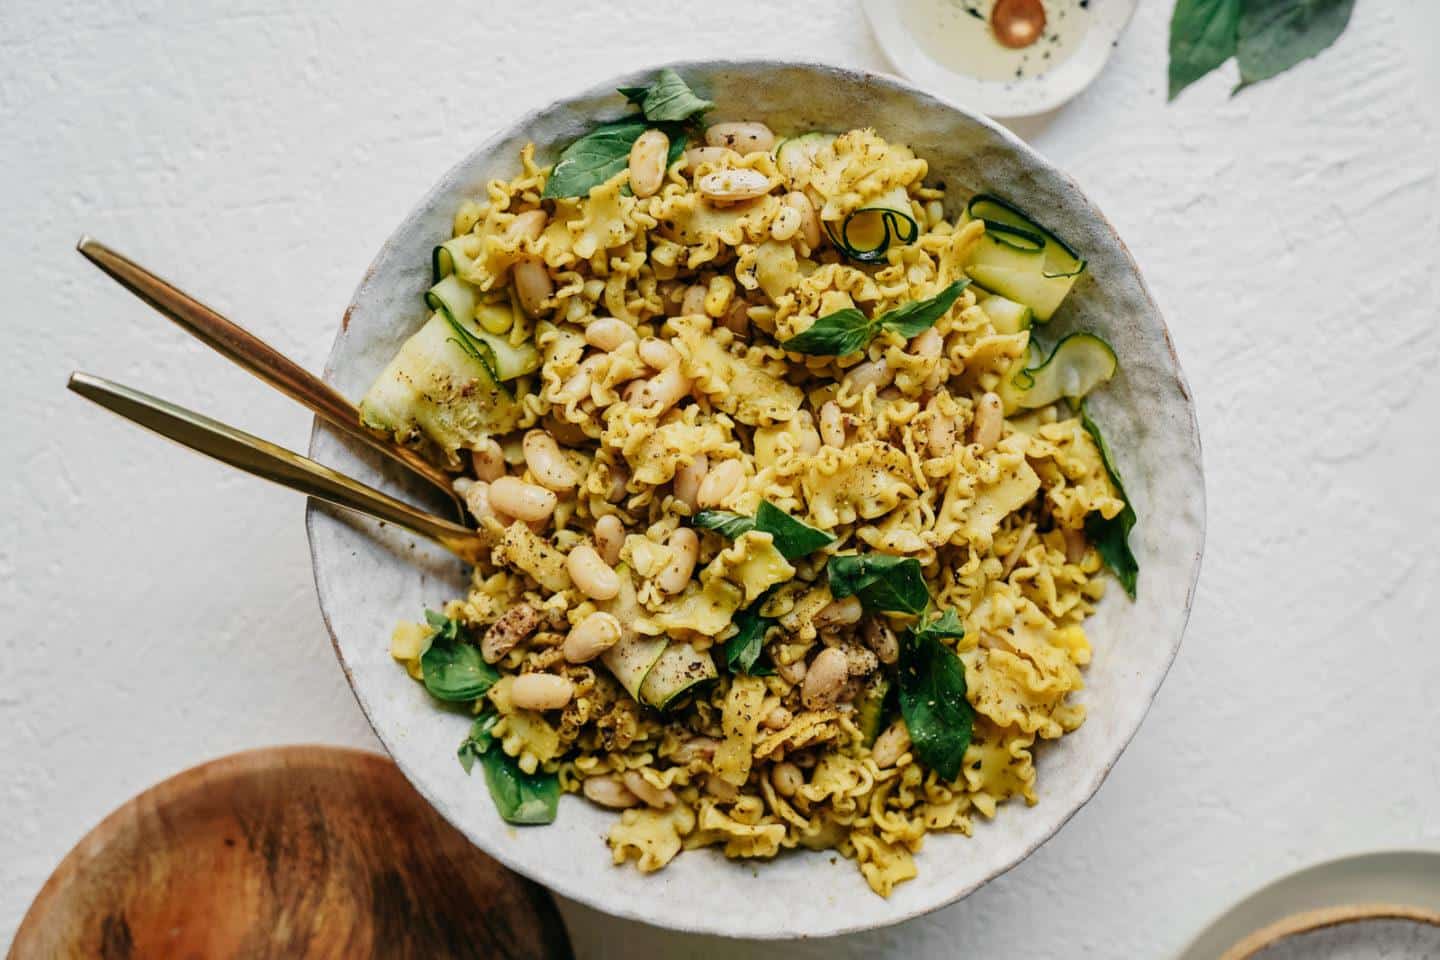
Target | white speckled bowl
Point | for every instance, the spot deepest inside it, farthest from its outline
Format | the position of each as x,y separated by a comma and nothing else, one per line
369,577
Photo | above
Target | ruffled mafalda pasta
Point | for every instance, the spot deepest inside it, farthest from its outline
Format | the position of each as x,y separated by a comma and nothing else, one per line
796,525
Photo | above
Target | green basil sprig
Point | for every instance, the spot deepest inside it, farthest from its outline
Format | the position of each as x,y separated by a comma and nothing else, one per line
882,582
1267,37
932,697
1112,537
846,331
793,538
520,797
668,104
453,670
743,650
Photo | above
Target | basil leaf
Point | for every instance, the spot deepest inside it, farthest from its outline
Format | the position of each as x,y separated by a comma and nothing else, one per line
1112,537
945,625
932,701
635,95
846,331
882,582
1203,34
915,318
793,538
724,522
520,797
743,649
453,670
834,335
593,159
1274,35
669,99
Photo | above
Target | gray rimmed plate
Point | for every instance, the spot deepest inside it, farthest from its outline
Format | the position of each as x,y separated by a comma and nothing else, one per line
369,577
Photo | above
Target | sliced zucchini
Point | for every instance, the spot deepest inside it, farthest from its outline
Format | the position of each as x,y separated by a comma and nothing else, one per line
477,325
1007,316
870,708
679,668
1078,364
1012,387
795,155
1020,259
867,233
453,256
438,388
632,659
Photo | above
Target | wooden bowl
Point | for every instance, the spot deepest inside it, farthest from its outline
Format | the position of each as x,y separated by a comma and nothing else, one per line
286,852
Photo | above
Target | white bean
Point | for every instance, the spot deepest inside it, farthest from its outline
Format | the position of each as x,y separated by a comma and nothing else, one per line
793,672
532,283
891,745
647,791
989,420
647,162
928,343
698,155
488,460
693,303
521,500
778,718
608,792
547,463
786,778
619,478
720,482
684,551
609,333
527,226
942,431
882,640
696,748
786,224
657,353
873,373
688,478
839,613
591,637
477,499
732,186
748,137
609,538
541,691
665,389
589,571
809,219
808,438
823,680
832,424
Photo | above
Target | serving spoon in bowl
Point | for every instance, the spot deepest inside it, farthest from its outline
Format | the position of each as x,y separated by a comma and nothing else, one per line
248,351
275,463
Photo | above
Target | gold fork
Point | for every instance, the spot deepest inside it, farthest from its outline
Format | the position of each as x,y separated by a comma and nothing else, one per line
258,357
275,463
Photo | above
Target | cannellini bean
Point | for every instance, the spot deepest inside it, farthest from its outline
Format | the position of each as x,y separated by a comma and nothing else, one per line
619,478
589,571
694,300
477,500
832,424
609,333
684,551
748,137
665,389
732,186
792,672
514,625
928,344
696,748
608,792
527,226
882,640
786,224
609,538
532,283
809,220
737,318
777,719
652,795
657,353
824,678
688,478
786,778
989,420
698,155
523,501
839,613
807,437
547,463
591,637
488,460
541,691
942,433
721,480
647,162
873,373
891,745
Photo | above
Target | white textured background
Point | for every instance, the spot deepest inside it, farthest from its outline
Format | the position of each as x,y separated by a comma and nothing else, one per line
157,610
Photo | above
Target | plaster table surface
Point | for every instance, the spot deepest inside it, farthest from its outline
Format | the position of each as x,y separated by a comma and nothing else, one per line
158,609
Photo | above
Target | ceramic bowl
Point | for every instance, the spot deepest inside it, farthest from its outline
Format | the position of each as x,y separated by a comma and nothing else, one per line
369,576
1004,98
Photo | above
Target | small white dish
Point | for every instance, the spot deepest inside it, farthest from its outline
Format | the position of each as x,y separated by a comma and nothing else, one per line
369,576
1003,98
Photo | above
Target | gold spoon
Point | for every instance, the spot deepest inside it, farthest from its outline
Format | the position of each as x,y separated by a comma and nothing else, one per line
285,467
258,357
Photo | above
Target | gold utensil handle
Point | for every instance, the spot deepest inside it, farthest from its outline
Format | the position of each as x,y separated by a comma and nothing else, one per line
253,354
275,463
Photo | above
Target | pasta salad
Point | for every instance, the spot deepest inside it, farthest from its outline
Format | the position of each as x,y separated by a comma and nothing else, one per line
796,523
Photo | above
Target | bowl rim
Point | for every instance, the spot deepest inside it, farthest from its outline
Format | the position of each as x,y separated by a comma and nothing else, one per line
596,899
